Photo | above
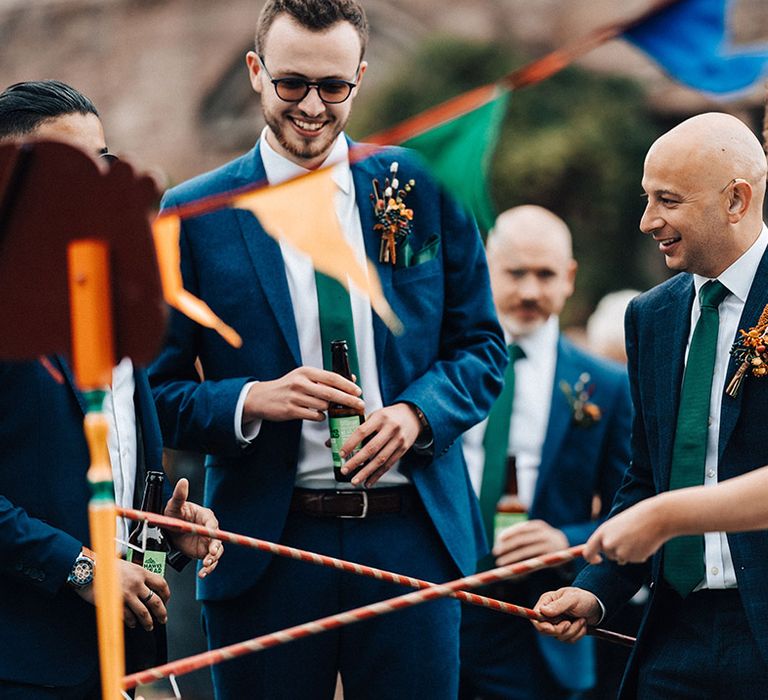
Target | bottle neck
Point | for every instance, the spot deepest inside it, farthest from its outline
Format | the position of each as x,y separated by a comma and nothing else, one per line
340,363
152,501
510,486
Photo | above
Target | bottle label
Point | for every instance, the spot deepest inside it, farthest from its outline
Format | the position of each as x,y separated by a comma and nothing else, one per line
341,428
155,562
501,521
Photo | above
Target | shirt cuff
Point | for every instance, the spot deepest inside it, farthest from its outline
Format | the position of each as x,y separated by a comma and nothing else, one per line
602,610
248,432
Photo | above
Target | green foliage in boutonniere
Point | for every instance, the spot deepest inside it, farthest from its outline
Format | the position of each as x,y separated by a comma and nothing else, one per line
585,413
751,350
393,218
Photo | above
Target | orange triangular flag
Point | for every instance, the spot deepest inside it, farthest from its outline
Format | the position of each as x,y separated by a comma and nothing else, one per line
166,231
301,212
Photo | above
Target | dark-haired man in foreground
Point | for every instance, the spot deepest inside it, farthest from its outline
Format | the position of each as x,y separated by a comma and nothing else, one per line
47,620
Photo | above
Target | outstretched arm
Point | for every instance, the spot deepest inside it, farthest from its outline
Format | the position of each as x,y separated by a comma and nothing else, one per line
734,505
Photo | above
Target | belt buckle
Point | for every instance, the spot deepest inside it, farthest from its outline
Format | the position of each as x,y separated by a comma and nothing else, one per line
364,502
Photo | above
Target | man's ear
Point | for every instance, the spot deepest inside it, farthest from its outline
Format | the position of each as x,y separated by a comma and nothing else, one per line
573,267
739,199
360,74
254,70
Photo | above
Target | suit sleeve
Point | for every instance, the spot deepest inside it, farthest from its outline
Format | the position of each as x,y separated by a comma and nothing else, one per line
194,415
614,585
32,551
459,388
614,461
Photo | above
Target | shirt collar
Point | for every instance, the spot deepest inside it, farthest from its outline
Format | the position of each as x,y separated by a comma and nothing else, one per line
545,336
279,169
739,276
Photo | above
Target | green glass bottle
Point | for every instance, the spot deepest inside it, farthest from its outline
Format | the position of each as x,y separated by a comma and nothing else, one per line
156,548
342,420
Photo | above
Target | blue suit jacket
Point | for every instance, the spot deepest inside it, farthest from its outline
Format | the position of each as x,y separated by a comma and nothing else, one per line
576,463
47,632
658,324
449,361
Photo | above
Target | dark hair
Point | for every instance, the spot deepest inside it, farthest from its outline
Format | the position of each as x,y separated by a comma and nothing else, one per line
24,106
316,15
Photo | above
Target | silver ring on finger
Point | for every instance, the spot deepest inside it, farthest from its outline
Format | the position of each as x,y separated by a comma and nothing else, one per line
148,597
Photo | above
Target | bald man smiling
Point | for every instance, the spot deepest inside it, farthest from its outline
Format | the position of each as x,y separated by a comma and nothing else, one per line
703,634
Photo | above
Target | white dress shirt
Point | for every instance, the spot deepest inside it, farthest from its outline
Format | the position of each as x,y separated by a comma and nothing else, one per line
534,379
121,440
738,279
315,466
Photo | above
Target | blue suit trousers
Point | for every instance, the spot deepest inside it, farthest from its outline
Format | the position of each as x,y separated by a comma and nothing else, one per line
412,653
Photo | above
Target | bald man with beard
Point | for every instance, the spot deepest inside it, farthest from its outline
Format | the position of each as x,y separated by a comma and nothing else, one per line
560,462
703,633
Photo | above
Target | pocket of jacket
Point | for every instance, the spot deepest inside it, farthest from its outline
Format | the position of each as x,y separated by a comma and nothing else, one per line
427,252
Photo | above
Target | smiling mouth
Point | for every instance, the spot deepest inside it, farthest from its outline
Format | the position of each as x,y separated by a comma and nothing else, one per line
666,243
309,127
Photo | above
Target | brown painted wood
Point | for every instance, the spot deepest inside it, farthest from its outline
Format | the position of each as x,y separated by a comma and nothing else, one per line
51,194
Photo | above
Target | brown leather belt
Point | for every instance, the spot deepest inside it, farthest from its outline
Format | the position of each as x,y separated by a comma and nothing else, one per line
353,504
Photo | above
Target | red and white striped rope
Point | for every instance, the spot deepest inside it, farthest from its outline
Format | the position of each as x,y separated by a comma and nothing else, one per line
210,658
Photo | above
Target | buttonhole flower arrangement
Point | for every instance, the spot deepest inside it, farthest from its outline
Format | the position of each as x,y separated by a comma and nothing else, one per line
394,220
585,413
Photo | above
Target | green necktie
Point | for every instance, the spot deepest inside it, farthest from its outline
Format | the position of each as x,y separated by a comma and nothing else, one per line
335,309
495,444
684,556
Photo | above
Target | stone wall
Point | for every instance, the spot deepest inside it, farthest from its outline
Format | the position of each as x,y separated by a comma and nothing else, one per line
169,78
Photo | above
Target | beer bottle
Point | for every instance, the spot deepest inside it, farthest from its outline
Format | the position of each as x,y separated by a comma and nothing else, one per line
509,509
156,545
342,420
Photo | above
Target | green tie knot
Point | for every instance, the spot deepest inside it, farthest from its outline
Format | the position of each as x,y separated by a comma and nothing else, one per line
712,294
515,352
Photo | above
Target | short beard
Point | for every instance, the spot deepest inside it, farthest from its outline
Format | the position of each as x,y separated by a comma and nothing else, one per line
518,329
311,149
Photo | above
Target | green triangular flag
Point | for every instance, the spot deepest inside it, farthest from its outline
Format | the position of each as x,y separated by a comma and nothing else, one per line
459,153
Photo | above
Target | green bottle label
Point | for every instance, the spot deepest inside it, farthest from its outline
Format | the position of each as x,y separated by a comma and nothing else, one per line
155,562
341,428
501,521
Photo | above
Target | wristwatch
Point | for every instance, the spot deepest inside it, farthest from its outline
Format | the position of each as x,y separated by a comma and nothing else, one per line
81,574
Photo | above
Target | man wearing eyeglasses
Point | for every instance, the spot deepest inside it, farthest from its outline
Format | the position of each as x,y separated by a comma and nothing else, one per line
47,619
260,413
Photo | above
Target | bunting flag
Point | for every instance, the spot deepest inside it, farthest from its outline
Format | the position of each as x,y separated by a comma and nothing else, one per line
457,138
301,212
166,231
459,153
716,46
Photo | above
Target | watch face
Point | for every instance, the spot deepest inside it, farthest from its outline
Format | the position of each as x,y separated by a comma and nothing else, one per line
82,572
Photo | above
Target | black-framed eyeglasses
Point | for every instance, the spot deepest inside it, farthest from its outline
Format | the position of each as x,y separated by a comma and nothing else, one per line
332,91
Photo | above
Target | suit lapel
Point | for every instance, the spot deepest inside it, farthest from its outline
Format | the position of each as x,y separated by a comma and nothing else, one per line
363,173
756,301
672,323
559,415
61,363
267,261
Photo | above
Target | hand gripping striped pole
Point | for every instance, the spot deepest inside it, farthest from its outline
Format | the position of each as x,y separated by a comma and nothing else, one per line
429,592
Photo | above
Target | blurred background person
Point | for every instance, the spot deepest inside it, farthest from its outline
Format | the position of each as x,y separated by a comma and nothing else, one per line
558,434
605,326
